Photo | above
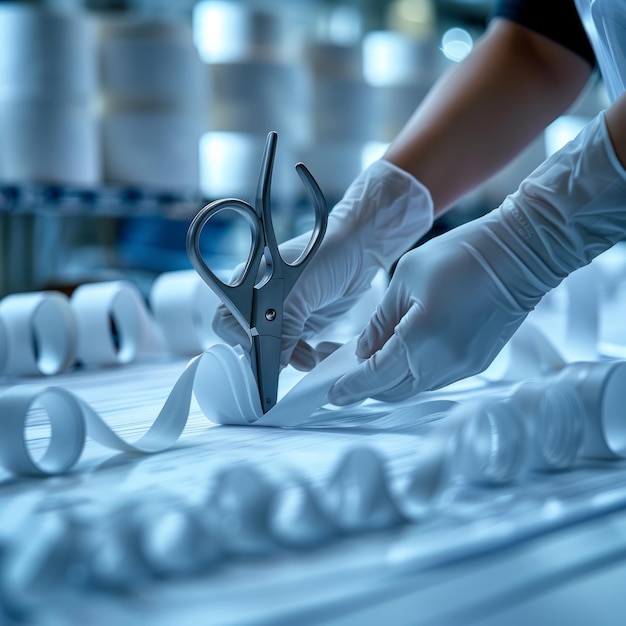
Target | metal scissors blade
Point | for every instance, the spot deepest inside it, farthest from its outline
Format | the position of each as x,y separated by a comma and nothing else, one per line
256,301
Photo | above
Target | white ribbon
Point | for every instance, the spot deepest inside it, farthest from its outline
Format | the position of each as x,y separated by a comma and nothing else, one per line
108,317
225,383
227,393
39,333
183,306
68,430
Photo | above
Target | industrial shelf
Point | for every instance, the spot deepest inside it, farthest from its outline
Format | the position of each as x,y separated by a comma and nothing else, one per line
100,201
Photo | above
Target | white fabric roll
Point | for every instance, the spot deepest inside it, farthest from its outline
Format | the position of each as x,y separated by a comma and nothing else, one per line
184,305
330,59
151,65
47,54
257,97
109,320
155,103
392,58
490,441
601,389
230,164
40,333
49,141
344,110
553,418
67,430
159,150
335,164
227,31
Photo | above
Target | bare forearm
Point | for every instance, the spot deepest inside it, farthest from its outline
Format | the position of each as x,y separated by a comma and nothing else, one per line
486,109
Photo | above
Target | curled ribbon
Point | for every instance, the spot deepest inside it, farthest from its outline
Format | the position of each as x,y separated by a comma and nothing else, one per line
38,333
226,380
102,324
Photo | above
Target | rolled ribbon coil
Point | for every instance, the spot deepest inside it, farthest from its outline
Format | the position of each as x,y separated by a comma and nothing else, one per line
67,431
108,318
40,332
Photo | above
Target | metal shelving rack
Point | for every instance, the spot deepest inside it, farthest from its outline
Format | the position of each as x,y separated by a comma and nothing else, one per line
38,222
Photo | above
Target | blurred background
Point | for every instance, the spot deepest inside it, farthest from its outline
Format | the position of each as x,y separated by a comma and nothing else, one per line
120,119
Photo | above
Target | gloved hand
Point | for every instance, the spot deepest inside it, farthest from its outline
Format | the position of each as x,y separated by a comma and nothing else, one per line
455,301
382,214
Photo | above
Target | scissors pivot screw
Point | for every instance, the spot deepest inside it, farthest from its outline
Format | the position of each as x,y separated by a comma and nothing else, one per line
270,315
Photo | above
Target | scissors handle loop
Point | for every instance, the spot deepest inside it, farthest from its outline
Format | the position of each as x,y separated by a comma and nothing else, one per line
319,229
237,296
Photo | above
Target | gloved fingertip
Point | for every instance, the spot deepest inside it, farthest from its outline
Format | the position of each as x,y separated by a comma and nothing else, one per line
300,356
363,349
337,396
325,348
221,318
340,395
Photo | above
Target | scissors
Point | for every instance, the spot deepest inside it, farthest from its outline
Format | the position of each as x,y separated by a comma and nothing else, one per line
257,302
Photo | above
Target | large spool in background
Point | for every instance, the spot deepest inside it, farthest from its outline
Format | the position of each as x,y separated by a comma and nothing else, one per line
256,84
48,90
154,102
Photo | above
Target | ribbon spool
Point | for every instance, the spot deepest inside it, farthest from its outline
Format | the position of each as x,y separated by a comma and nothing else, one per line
67,431
48,83
40,333
47,54
601,390
183,306
357,497
491,441
553,416
108,317
226,32
154,95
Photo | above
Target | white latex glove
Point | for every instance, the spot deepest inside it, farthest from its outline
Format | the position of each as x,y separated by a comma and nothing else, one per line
455,301
382,214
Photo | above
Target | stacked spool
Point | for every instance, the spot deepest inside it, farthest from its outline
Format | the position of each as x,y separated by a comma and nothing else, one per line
403,61
343,115
256,85
154,101
48,88
401,68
